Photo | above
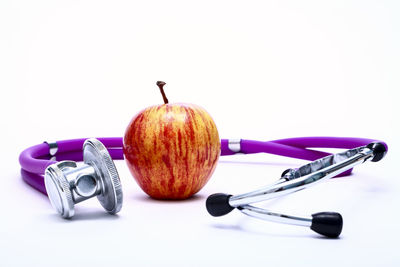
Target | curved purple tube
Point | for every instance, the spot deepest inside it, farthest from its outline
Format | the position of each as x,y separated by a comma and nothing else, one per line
36,159
31,159
34,180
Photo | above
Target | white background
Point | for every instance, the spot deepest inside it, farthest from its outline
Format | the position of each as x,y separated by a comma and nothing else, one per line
262,69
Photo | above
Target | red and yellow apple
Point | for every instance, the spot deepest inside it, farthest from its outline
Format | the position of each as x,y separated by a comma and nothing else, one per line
171,149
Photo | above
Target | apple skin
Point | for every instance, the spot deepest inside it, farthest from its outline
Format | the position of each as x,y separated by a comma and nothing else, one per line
172,150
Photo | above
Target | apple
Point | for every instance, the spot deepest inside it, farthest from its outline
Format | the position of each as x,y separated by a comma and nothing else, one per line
171,149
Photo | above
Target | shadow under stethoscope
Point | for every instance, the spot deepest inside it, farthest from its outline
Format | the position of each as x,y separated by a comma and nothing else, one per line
86,216
241,226
147,199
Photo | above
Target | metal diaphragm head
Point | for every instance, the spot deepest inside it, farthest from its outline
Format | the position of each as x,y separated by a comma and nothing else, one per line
68,184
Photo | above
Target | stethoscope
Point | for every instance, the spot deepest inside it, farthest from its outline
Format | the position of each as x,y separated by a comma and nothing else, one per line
51,168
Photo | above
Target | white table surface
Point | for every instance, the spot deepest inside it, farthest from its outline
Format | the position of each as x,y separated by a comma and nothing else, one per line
262,69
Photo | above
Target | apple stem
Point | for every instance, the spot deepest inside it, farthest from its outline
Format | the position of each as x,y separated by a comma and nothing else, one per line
160,85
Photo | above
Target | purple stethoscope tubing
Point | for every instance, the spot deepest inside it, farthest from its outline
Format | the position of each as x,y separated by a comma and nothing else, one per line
34,160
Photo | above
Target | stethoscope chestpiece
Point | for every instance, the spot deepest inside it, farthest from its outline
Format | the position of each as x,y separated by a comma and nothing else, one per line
68,184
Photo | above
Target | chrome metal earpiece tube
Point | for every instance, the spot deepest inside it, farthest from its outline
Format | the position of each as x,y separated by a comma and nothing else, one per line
326,223
306,176
267,215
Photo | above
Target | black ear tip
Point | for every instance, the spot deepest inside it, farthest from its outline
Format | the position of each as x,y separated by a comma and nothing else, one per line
329,224
218,204
285,172
379,151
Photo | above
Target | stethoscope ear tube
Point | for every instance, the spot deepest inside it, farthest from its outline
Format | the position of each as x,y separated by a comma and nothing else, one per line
329,224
